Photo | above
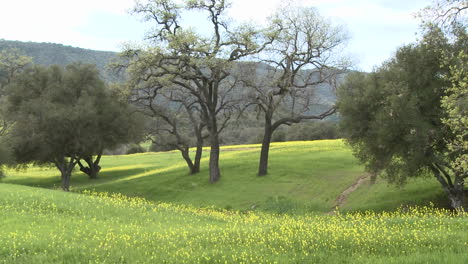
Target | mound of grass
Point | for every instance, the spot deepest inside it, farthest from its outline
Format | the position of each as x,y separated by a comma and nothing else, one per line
46,226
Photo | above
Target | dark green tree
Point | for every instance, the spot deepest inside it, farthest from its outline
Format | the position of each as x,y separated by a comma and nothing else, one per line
393,116
12,63
62,116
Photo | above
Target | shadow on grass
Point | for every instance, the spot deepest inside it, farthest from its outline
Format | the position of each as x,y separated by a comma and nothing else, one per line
78,179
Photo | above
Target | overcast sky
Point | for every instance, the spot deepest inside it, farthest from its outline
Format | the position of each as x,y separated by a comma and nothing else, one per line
377,27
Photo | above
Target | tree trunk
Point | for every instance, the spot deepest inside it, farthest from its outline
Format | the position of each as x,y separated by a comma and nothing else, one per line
455,192
457,201
91,170
94,167
263,164
458,197
65,169
215,174
212,125
198,155
186,155
66,181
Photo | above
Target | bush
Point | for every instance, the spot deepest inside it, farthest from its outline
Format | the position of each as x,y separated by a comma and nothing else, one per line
135,148
157,148
313,131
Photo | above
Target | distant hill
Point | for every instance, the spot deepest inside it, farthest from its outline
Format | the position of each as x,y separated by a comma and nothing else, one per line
50,53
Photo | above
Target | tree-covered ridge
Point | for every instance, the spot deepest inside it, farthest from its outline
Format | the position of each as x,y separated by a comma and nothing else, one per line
47,54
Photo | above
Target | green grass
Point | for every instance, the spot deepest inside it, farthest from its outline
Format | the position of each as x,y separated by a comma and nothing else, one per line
383,196
303,177
47,226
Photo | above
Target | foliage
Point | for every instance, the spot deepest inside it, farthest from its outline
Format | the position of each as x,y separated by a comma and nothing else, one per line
47,54
456,105
157,148
12,63
393,117
313,131
304,55
178,57
135,148
44,226
64,115
450,15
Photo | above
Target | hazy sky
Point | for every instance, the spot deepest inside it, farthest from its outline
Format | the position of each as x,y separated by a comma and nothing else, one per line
377,27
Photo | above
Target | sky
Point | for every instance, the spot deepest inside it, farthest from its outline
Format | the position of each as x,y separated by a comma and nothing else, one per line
376,27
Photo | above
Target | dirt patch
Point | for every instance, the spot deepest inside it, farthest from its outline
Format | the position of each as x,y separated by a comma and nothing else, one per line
341,199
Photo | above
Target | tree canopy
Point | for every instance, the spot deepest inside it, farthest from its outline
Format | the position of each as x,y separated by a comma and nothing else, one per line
393,117
198,64
63,115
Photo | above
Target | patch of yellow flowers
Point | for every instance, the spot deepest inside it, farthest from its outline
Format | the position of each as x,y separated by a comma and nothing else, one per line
113,228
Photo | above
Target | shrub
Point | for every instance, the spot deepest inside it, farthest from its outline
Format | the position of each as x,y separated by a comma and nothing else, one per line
135,148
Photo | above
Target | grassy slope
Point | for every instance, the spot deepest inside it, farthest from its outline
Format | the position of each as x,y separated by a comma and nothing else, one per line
46,226
307,176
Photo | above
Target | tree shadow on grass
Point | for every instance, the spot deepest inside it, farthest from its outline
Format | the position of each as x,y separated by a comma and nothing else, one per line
78,179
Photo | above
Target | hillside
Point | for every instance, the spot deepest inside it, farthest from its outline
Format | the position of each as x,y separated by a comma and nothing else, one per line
50,53
304,176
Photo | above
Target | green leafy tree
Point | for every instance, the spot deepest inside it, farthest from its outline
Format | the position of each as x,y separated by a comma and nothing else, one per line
62,116
12,63
450,16
455,104
393,117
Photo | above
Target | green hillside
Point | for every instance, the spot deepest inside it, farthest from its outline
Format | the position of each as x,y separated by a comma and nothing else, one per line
45,226
305,176
50,53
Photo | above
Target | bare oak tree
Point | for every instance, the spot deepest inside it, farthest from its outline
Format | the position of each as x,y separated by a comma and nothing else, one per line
304,56
198,64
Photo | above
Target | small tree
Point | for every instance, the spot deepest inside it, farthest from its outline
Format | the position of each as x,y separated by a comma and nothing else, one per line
59,117
304,57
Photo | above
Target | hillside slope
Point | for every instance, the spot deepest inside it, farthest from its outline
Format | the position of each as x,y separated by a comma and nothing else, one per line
50,53
305,176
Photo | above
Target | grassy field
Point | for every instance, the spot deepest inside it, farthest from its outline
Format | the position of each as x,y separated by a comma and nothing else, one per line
47,226
303,177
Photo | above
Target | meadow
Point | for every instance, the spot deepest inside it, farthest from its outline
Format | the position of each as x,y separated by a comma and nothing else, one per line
146,208
46,226
304,176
